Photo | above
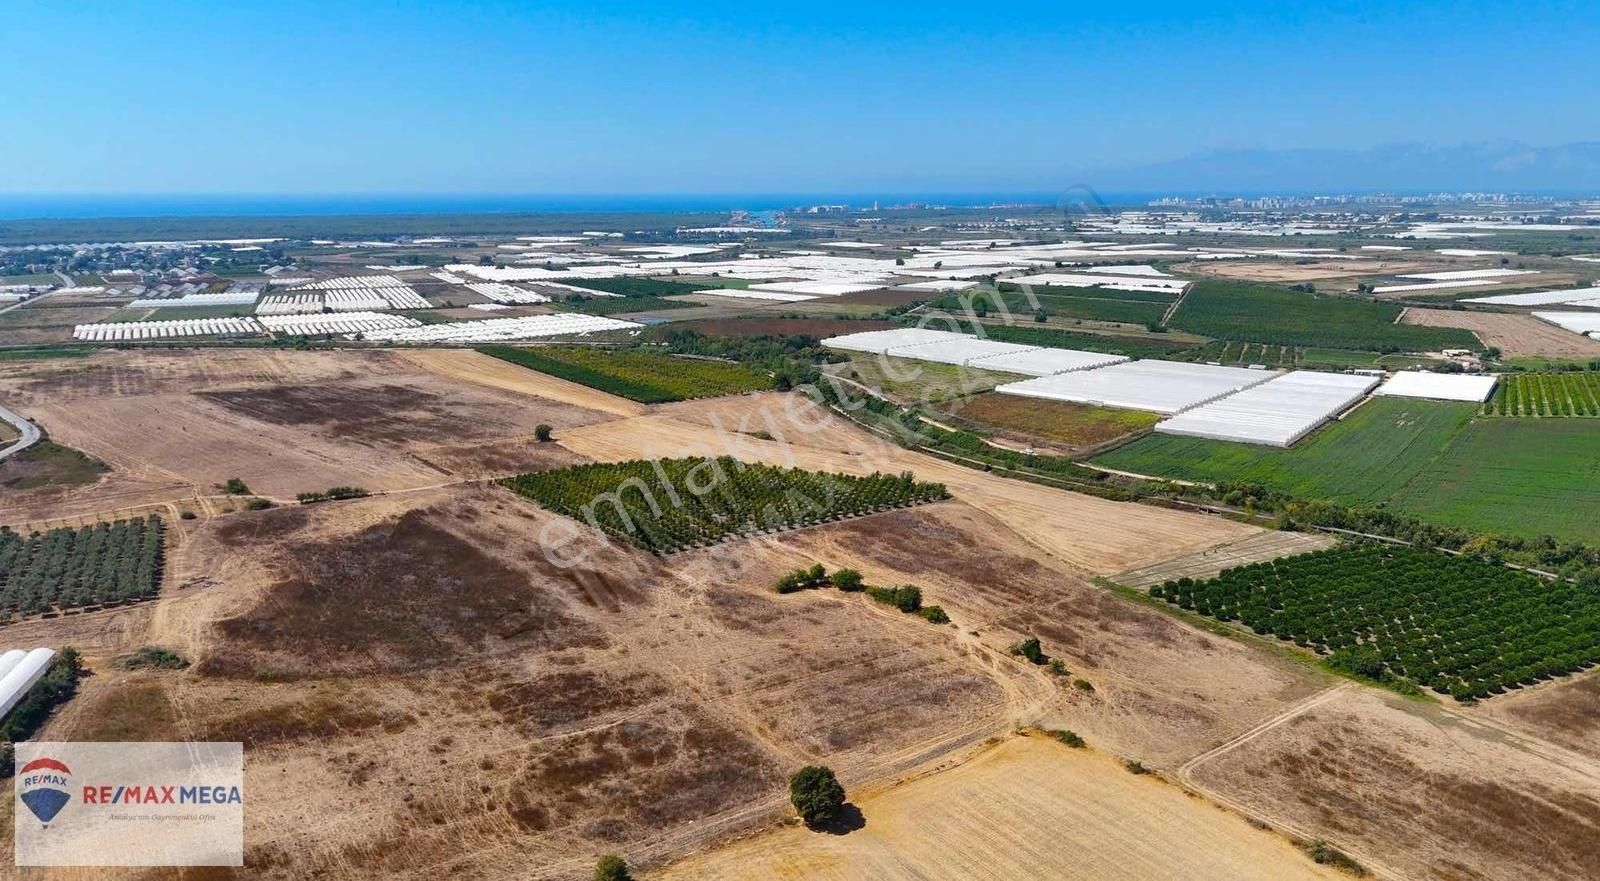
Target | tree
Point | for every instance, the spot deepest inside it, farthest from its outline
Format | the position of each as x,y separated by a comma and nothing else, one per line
847,580
1030,648
816,794
542,432
612,868
235,487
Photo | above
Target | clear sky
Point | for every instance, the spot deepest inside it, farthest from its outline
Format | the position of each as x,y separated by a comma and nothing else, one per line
866,96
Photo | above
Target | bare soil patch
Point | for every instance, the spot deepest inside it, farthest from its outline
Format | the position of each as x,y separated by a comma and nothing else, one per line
1066,427
1515,335
394,596
1428,793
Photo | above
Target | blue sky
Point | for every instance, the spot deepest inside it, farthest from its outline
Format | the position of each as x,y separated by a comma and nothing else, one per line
330,97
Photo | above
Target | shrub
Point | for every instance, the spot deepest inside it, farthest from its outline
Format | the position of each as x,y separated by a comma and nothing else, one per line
848,580
1058,667
816,794
1083,685
612,868
1324,854
1030,648
934,615
258,504
542,432
906,598
235,487
150,658
1070,738
187,515
1135,767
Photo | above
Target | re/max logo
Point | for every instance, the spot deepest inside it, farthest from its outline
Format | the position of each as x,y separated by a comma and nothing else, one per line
162,795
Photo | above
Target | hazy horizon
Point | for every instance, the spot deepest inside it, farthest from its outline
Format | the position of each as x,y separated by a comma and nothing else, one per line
181,97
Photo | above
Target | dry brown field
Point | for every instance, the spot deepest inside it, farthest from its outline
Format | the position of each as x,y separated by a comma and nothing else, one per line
423,694
1023,808
1515,335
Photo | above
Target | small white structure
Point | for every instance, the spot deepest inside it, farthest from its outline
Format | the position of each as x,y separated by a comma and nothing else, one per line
22,670
1438,386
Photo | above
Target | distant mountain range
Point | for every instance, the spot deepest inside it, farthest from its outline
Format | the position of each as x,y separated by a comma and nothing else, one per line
1491,166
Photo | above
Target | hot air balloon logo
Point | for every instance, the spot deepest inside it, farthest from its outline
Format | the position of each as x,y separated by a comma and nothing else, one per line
43,783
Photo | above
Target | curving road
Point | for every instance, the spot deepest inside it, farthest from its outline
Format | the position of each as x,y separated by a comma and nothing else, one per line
30,433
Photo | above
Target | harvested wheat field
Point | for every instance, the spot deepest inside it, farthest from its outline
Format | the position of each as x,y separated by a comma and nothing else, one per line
1093,534
1025,807
480,369
285,422
1515,335
1417,790
1293,271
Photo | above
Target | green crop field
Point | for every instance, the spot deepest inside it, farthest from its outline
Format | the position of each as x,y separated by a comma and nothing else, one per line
1457,625
72,568
1091,304
1546,394
647,377
633,286
1527,477
617,305
1030,334
670,505
1265,314
1363,459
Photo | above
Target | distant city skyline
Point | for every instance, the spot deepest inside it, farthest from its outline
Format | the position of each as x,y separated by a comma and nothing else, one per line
180,97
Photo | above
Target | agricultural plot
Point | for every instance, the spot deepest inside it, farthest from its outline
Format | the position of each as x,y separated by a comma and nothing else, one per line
1131,346
1362,459
1073,425
1545,394
336,323
633,286
646,377
614,305
1264,314
1437,386
527,327
1457,625
1528,477
74,568
669,505
1091,304
1275,413
1157,386
128,331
